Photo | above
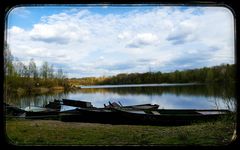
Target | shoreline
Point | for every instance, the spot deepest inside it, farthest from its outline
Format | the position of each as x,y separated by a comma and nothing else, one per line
38,90
55,132
139,85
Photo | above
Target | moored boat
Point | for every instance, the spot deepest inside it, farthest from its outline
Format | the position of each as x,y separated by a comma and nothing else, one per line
136,107
96,115
13,110
141,117
56,104
169,116
41,113
77,103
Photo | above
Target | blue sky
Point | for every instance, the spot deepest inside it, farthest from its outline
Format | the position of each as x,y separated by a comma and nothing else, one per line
106,40
26,17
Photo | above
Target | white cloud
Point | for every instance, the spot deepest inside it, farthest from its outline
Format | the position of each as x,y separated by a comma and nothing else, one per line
143,39
20,11
125,35
93,44
183,32
58,33
16,30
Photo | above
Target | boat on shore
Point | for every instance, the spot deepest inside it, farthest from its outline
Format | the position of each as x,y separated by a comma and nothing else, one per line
144,114
135,107
56,104
93,115
11,110
141,117
77,103
53,109
41,113
169,116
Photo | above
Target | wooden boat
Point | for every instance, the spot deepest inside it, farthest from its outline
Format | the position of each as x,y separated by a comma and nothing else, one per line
169,116
56,104
97,115
141,117
41,113
13,110
137,107
76,103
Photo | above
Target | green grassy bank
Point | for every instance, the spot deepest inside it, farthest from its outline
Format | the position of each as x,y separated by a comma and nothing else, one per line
53,132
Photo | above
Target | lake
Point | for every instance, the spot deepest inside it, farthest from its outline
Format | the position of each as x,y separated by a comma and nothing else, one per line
167,96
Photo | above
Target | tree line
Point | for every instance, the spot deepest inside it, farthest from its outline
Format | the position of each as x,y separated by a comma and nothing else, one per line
224,73
19,75
217,74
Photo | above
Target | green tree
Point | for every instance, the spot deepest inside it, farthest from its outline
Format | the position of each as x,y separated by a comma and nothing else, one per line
210,76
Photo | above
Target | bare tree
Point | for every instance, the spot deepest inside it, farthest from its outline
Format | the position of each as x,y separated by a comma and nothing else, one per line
8,61
32,69
44,70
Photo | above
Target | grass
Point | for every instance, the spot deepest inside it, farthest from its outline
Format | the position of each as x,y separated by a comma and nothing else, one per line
54,132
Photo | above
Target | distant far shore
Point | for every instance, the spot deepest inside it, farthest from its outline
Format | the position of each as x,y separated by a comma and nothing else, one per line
139,85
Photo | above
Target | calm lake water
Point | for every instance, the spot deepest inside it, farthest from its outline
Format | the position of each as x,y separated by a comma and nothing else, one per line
168,96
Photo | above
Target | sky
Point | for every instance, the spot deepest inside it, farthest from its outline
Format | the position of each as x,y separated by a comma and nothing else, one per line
105,40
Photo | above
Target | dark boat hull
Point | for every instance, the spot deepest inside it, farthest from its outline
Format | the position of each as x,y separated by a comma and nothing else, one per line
142,107
136,107
119,116
171,117
48,114
56,104
12,110
77,103
93,115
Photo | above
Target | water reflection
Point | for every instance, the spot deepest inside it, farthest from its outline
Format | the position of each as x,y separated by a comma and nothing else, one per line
168,97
